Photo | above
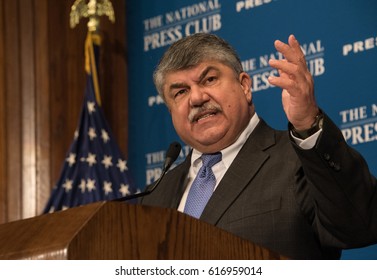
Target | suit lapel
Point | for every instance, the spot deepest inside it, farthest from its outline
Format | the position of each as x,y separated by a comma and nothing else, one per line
181,182
244,167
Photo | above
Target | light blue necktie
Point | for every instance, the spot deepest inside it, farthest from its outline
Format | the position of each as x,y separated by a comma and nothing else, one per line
203,186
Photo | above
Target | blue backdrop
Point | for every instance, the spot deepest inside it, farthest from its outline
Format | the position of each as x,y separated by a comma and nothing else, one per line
339,38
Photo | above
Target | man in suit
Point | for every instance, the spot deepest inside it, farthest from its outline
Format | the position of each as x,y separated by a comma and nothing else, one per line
303,192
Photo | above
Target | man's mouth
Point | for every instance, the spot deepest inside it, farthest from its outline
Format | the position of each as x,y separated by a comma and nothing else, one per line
206,111
203,116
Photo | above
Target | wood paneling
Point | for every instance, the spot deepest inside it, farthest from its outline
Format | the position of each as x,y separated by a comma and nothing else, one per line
28,109
13,111
42,107
42,82
3,150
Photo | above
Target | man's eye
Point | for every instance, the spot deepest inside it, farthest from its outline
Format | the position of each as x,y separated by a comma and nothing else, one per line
178,93
211,79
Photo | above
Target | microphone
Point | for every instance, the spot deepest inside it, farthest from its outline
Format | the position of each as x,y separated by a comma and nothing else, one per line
171,156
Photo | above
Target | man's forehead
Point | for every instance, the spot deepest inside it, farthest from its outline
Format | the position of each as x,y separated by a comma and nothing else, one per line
198,68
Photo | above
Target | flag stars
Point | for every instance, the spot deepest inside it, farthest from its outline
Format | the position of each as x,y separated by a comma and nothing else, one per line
105,136
91,159
68,184
91,106
107,187
107,161
122,165
82,186
92,133
124,189
71,159
91,185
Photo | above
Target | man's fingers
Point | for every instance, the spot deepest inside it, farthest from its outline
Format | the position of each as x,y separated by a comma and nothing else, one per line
291,51
292,41
284,66
283,82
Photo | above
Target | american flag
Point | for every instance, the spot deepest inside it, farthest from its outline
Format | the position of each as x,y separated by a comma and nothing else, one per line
94,169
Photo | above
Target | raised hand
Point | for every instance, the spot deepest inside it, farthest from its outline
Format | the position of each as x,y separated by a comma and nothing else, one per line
297,83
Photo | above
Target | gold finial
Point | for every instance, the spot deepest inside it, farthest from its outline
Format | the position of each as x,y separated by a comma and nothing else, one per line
92,10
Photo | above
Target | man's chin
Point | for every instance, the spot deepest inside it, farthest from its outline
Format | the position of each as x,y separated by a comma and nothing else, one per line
208,144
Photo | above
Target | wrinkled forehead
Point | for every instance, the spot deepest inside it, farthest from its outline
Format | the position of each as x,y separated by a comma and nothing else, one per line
199,70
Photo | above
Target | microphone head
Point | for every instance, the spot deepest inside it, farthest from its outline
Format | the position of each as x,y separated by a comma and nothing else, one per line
172,154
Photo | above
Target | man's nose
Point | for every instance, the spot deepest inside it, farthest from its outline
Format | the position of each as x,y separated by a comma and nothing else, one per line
198,96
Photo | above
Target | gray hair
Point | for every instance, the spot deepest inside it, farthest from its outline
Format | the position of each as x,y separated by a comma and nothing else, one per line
192,50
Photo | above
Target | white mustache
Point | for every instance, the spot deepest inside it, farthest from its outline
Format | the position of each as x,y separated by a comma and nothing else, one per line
205,107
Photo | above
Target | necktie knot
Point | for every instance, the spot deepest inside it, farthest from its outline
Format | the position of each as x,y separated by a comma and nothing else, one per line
210,160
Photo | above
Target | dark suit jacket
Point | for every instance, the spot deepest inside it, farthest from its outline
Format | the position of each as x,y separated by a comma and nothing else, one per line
304,204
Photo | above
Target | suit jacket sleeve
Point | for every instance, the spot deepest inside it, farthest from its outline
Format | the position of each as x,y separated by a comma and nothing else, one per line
343,189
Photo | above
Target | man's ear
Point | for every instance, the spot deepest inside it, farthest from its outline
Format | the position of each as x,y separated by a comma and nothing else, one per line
245,82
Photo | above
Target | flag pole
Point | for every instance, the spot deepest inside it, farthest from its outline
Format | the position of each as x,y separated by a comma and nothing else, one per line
90,61
92,10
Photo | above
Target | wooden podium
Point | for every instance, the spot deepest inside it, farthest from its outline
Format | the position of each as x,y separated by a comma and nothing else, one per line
117,230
